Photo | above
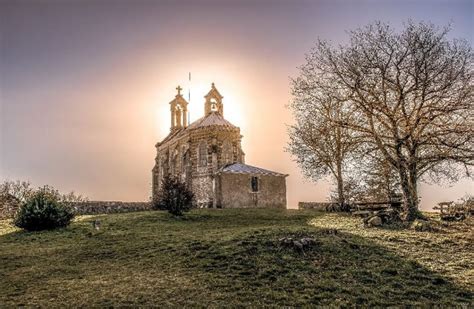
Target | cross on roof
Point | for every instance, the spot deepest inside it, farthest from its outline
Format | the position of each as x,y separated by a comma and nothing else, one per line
179,90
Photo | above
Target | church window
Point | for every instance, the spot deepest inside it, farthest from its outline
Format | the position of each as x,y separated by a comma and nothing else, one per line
227,153
254,184
185,161
173,168
174,164
202,154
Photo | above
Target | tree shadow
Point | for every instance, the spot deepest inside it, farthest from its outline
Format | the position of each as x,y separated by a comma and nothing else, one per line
139,255
341,269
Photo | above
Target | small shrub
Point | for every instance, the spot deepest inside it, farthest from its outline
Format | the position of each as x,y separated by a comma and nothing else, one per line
174,197
43,211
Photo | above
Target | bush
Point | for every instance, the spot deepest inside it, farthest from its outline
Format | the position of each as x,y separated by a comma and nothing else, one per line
174,197
43,211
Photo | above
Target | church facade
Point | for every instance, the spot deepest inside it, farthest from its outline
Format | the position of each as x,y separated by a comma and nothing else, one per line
207,155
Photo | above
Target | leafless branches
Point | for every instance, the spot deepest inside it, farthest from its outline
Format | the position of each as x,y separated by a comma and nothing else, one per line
410,95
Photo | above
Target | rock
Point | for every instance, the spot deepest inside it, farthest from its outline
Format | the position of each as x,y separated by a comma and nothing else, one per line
307,241
422,226
298,245
96,224
375,221
361,213
286,241
389,216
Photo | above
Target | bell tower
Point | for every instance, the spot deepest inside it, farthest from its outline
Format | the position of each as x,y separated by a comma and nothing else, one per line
179,111
213,102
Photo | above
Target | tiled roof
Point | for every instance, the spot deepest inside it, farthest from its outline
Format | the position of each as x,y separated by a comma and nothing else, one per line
212,119
240,168
171,136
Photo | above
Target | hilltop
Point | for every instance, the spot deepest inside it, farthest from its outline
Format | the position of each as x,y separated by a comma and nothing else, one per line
234,257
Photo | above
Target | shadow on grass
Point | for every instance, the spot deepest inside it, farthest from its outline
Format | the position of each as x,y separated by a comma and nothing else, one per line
222,258
341,269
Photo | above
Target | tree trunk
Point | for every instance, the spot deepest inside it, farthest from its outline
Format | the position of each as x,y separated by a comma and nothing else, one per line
340,185
410,196
388,189
339,159
413,179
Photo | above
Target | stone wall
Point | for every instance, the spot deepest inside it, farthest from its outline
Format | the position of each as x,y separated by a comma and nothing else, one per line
322,206
202,189
8,207
234,191
107,207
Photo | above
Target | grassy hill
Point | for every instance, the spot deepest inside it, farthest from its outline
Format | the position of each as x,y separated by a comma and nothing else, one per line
234,258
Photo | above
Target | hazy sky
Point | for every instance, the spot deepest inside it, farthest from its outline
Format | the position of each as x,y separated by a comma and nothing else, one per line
85,85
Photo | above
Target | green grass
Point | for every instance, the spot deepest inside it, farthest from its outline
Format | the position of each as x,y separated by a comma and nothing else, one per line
233,258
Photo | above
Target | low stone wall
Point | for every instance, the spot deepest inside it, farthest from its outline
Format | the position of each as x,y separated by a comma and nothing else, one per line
8,207
316,205
107,207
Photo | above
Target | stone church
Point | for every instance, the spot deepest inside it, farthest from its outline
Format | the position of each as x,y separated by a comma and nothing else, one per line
207,155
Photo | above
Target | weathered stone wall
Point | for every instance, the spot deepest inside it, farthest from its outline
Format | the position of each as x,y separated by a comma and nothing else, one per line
234,191
8,207
171,154
8,210
107,207
202,189
316,205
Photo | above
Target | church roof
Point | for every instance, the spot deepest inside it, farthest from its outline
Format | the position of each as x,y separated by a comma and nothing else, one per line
171,136
240,168
212,119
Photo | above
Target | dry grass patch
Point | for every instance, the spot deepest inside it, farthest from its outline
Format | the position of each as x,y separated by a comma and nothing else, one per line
448,250
217,258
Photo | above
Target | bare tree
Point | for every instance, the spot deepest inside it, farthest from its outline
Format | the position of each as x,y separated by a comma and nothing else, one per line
368,177
413,95
354,190
320,146
381,181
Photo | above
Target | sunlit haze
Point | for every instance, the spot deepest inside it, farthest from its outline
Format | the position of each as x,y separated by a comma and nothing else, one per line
85,85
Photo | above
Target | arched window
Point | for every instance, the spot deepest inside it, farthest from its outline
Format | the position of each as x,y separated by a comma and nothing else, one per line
254,184
227,153
203,154
184,160
174,165
214,107
179,116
